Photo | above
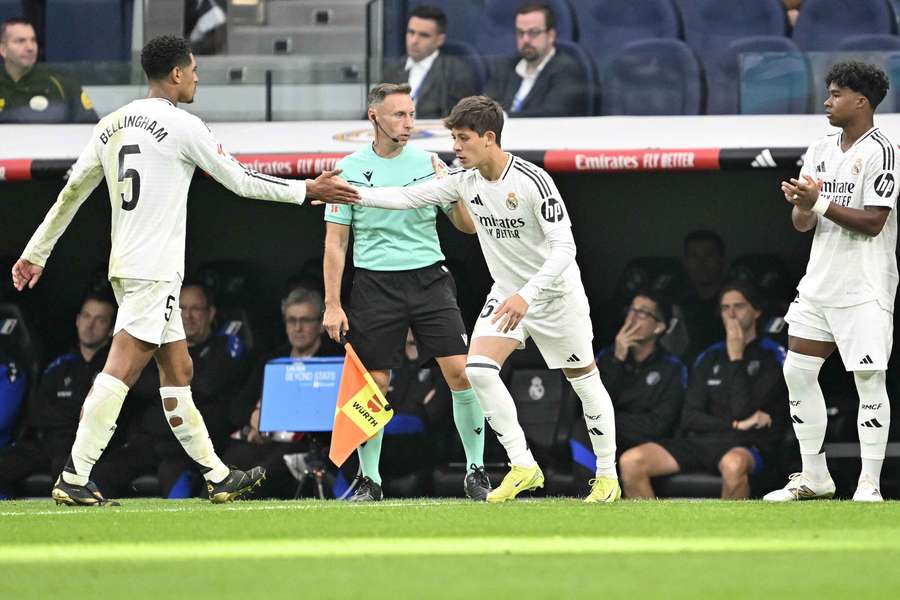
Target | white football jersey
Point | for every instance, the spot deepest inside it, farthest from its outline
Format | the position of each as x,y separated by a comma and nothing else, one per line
147,150
514,216
847,268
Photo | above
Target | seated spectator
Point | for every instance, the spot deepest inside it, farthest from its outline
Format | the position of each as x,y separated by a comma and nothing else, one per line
302,311
219,367
53,418
31,93
704,264
540,82
733,411
13,386
438,81
646,383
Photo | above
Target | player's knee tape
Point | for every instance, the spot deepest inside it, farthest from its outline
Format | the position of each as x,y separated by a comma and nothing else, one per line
483,369
178,405
807,404
874,417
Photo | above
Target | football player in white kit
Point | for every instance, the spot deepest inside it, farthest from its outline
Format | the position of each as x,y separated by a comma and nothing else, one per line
526,236
847,192
147,151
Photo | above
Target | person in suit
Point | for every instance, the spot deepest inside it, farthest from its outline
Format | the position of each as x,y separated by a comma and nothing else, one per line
539,82
438,80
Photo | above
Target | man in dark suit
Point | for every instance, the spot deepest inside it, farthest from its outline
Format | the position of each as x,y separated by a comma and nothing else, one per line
539,82
438,80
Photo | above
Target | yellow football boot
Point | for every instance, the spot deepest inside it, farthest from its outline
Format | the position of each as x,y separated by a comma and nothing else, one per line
604,489
519,479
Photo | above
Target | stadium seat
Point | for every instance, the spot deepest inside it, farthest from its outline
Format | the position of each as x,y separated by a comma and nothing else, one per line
719,31
892,67
10,9
711,25
774,84
652,77
468,53
88,30
464,17
605,26
823,24
587,68
20,338
233,286
497,30
870,42
769,273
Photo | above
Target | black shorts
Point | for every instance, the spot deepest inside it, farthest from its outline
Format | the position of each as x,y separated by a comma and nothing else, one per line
701,454
385,304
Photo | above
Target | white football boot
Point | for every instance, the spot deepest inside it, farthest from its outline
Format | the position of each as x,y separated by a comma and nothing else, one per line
867,490
801,486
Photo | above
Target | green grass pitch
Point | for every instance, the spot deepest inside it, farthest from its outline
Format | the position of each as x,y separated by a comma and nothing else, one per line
427,549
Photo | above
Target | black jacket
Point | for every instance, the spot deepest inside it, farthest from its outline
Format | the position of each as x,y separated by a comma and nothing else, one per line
559,90
448,81
648,396
721,391
43,96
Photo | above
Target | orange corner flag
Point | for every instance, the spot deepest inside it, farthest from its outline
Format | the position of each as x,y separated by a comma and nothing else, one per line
361,410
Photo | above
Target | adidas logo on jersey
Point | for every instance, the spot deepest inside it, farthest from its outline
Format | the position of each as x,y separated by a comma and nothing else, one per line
572,359
764,160
477,200
820,168
867,360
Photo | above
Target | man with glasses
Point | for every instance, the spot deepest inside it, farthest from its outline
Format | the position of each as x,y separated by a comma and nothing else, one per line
539,82
302,312
733,410
646,383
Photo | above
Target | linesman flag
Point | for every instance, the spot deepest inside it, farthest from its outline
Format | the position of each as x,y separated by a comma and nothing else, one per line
361,410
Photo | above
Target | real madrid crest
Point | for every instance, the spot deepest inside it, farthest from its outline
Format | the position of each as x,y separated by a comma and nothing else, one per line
857,166
512,203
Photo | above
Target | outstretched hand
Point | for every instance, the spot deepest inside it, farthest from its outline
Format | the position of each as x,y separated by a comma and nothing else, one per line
25,272
331,189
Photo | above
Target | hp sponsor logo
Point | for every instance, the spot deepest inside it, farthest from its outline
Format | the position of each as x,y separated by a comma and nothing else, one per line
552,210
884,185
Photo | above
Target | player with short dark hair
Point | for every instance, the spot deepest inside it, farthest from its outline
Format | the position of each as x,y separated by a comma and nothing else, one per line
400,282
846,192
148,151
526,236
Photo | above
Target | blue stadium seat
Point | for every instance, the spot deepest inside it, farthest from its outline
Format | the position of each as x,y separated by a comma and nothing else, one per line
822,24
468,53
870,41
774,84
10,9
463,17
604,26
88,30
497,29
711,25
581,57
892,68
652,77
721,67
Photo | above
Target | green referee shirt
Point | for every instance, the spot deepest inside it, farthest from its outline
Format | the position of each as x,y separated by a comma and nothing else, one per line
389,240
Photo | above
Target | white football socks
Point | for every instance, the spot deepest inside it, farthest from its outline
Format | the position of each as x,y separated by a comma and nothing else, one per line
499,409
873,420
188,426
98,423
807,409
599,417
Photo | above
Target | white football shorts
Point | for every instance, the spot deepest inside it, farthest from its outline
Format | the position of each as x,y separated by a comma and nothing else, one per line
149,310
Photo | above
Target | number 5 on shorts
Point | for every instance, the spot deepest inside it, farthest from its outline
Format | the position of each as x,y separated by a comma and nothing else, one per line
169,307
489,307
